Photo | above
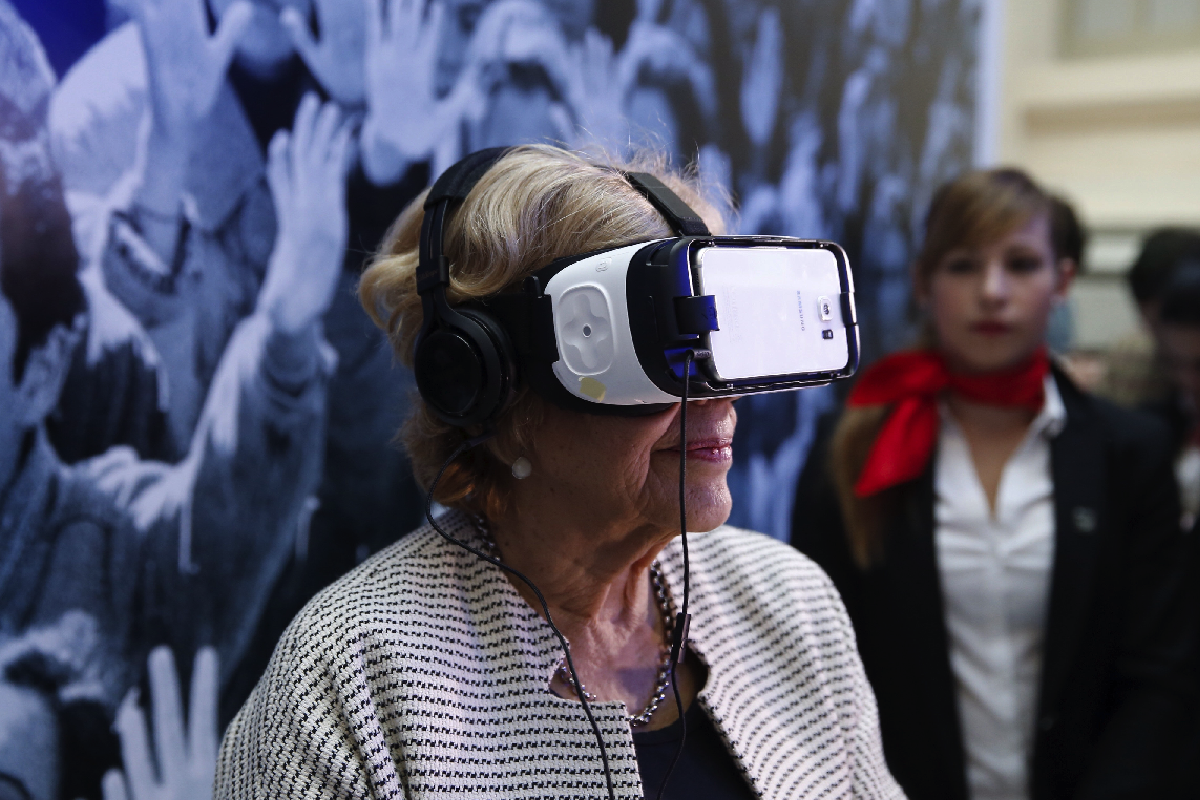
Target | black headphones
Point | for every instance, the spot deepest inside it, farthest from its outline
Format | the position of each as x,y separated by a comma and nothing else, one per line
464,361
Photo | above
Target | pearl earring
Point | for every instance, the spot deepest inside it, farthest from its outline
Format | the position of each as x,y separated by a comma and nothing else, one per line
521,468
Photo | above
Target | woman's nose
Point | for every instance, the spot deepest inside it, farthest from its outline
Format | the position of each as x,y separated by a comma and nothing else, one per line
995,282
712,408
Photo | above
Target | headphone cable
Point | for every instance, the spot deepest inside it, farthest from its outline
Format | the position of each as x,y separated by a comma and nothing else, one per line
682,619
562,640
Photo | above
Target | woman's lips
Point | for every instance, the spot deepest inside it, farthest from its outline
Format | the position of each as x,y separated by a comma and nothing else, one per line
711,450
991,328
714,455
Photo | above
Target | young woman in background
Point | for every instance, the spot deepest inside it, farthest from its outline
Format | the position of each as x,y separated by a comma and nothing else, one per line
1007,546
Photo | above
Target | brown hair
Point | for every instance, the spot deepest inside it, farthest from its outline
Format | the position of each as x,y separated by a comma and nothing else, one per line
971,211
536,204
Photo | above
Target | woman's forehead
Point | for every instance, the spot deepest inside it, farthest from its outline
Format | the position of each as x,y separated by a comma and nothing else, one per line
1032,229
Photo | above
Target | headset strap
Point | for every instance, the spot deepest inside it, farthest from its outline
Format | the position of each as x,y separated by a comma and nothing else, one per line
683,220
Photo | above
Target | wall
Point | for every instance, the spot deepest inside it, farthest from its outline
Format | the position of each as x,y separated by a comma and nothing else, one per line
1114,123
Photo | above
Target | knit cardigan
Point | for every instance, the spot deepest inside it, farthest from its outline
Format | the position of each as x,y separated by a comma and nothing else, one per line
423,674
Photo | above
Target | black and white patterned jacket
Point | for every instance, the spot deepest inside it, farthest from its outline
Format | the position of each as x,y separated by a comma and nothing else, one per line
424,674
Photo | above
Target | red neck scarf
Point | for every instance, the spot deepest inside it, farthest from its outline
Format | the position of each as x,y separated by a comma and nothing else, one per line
912,382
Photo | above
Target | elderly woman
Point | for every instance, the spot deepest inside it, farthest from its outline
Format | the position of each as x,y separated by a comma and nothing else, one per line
430,672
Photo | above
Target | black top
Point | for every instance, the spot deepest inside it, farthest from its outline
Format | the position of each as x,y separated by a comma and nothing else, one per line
706,769
1116,683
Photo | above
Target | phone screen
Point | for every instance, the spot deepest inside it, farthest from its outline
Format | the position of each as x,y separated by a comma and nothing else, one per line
778,309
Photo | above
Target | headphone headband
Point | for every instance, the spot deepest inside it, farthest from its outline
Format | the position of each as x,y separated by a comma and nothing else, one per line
450,189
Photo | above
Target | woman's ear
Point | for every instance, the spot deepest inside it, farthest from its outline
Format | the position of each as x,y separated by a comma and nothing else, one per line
1066,269
44,374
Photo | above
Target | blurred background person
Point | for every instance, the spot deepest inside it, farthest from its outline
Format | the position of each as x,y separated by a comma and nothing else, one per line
1148,369
1136,375
56,738
1007,546
1177,329
1177,332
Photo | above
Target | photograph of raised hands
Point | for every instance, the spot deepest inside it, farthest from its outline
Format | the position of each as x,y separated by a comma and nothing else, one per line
200,426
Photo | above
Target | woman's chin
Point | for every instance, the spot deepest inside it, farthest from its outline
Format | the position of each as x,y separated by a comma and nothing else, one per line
710,510
707,523
992,356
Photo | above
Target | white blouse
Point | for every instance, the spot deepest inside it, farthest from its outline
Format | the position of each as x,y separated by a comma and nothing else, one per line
995,575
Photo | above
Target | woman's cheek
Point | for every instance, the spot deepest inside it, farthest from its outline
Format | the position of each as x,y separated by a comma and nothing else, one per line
951,314
1036,304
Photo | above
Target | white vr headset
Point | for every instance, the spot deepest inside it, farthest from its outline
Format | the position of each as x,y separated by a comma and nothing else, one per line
610,332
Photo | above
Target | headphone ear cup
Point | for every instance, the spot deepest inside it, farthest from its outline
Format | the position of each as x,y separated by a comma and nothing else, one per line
449,373
499,364
464,368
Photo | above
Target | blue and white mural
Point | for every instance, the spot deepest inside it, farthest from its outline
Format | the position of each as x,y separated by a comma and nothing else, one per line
197,417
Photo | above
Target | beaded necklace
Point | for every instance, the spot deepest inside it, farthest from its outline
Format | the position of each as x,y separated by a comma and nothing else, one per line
662,680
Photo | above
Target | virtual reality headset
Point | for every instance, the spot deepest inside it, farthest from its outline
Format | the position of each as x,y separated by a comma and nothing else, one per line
609,332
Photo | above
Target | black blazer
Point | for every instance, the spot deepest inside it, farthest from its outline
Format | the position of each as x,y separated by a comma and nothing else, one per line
1116,688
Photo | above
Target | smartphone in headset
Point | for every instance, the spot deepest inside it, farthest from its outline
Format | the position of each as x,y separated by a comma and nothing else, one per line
781,310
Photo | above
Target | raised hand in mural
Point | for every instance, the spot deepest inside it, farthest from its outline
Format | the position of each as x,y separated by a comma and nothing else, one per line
405,119
522,32
183,760
509,31
598,94
503,33
306,170
601,82
666,55
335,57
185,67
762,78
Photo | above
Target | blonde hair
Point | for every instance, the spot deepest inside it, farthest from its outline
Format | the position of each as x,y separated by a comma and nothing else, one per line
971,211
536,204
